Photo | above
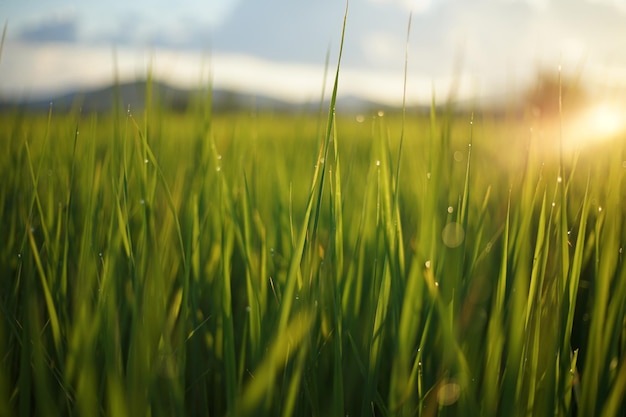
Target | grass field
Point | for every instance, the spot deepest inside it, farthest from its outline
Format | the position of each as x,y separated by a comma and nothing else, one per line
160,264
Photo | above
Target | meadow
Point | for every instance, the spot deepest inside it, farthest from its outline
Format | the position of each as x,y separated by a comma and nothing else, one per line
256,263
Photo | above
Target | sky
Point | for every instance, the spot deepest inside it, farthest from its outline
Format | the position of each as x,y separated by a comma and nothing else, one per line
484,48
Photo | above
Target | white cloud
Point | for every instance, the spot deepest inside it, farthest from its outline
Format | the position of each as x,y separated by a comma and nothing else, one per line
416,6
41,71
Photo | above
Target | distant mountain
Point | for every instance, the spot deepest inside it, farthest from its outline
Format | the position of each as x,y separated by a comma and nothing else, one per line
134,94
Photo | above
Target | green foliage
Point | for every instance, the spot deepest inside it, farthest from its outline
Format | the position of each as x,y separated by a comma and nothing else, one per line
263,264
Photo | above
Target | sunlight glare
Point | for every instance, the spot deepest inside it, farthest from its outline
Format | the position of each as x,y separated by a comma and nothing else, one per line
605,120
596,124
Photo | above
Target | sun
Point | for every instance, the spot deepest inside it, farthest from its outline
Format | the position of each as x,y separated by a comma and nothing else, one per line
597,123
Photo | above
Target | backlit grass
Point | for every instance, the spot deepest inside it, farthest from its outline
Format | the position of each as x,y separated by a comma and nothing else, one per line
265,264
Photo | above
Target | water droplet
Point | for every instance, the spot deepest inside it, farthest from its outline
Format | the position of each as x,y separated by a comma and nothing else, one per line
100,254
553,204
360,118
142,202
19,255
559,179
450,209
427,264
322,160
381,113
248,309
428,175
600,208
377,163
452,234
621,250
146,161
436,283
218,169
219,157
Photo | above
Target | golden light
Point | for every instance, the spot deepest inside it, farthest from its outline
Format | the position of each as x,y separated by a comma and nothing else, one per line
598,123
605,120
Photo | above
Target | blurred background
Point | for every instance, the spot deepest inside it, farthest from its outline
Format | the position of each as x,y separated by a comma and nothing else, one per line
484,50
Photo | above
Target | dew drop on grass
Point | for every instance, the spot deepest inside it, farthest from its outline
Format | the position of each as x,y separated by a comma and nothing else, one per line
553,204
248,309
450,209
218,169
146,161
559,179
428,175
427,264
219,157
19,255
360,118
142,202
599,208
377,163
381,113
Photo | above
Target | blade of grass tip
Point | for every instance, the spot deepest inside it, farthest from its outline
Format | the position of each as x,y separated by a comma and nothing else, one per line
396,193
403,122
299,250
329,131
4,36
